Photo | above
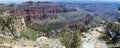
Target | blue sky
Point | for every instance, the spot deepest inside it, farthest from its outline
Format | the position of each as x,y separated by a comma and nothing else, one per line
17,1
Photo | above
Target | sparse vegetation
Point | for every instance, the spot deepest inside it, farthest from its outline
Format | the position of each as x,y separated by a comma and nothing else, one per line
119,8
118,19
70,39
45,28
29,34
84,29
9,23
113,32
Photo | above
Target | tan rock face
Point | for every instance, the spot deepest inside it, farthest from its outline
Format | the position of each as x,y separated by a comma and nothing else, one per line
91,39
20,24
98,47
42,39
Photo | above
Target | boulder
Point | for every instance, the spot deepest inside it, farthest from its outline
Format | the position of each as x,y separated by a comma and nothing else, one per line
42,39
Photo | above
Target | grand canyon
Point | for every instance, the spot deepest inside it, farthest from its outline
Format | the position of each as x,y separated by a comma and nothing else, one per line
49,24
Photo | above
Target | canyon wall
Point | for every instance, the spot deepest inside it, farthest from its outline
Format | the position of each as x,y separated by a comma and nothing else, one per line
38,11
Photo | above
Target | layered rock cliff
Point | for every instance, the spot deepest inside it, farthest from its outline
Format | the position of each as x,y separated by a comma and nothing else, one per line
39,11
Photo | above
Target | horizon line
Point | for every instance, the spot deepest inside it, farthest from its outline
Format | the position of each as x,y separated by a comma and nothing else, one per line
17,2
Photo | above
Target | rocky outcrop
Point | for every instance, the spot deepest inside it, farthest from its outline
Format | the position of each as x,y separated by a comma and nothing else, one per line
20,24
91,39
102,36
11,26
42,39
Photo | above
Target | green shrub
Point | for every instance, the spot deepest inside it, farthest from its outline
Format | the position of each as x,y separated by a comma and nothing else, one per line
70,39
112,33
118,19
119,8
29,34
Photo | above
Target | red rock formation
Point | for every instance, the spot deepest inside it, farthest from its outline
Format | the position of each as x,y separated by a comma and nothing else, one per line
33,11
42,33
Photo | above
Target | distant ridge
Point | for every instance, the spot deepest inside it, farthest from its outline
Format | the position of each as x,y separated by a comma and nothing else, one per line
19,2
